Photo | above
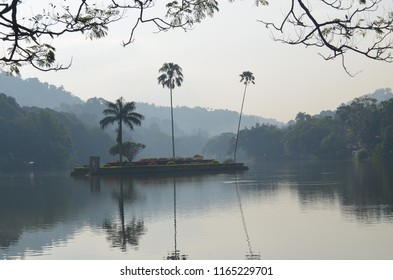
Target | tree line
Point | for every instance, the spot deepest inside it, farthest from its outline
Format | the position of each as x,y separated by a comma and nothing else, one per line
362,129
43,138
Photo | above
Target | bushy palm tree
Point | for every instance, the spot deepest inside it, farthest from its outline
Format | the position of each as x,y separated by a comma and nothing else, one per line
121,112
246,77
171,76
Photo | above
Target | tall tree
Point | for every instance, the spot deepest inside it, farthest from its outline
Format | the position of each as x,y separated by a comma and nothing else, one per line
246,77
171,76
121,112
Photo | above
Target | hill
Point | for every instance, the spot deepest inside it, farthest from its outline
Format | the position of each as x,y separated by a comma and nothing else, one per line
193,126
32,92
382,94
46,138
188,121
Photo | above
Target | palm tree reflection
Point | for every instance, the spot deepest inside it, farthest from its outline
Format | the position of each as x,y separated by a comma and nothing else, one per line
125,233
250,255
175,255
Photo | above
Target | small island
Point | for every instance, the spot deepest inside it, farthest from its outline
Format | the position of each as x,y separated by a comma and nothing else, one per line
123,113
157,166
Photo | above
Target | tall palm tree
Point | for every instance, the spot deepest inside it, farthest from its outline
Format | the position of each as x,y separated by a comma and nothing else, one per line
121,112
171,76
246,77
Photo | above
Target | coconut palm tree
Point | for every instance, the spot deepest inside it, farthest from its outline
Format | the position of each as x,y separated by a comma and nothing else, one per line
121,112
246,77
171,76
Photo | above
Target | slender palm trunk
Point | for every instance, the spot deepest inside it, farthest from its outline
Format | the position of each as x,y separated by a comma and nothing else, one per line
173,132
122,220
120,142
238,126
177,255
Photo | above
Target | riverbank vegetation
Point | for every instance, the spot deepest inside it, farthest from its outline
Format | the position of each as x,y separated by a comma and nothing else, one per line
362,129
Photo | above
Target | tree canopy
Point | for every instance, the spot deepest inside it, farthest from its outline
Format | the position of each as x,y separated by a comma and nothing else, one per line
362,129
44,138
363,27
121,112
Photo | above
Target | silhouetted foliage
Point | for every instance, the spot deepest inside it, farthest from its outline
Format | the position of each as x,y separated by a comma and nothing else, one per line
172,76
129,149
247,78
268,139
44,138
361,129
121,112
360,27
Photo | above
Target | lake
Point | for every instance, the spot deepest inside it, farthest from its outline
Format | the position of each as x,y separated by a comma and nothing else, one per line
275,210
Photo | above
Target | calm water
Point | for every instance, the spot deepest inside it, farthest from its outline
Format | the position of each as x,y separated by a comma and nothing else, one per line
302,210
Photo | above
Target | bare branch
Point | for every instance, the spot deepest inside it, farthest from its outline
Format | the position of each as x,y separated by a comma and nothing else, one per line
24,38
361,27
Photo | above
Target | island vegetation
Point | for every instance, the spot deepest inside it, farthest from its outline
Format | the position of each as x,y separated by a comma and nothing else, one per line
171,77
121,112
247,77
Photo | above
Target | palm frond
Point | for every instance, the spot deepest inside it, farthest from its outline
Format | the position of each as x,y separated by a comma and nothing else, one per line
247,77
107,121
172,75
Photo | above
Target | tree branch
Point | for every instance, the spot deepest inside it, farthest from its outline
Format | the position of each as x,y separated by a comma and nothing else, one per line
364,28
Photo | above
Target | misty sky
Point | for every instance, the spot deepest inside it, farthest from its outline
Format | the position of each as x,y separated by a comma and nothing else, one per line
289,79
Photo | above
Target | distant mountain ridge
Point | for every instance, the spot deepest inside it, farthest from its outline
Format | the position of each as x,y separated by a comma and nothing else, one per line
382,94
32,92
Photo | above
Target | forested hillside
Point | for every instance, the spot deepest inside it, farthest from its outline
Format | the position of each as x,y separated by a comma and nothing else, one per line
44,138
188,121
362,129
32,92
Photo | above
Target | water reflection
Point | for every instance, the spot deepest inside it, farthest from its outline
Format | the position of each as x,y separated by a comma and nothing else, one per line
127,233
250,255
362,189
30,203
175,254
368,193
205,217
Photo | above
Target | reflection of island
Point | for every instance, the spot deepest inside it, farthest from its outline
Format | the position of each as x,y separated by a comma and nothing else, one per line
250,255
175,255
125,233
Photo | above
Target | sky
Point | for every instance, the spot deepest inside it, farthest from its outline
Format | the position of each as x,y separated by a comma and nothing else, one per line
288,79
